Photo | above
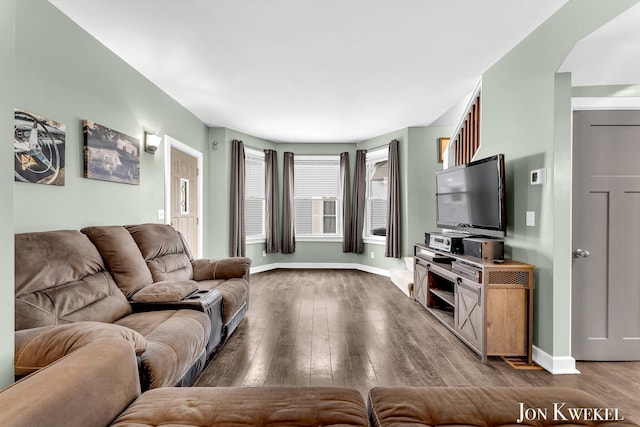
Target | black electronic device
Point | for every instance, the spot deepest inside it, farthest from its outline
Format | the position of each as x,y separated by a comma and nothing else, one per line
484,248
444,242
471,197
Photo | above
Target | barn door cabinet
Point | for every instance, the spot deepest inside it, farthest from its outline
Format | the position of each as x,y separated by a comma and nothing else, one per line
490,310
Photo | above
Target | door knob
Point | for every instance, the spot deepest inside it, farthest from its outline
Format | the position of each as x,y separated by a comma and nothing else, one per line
581,253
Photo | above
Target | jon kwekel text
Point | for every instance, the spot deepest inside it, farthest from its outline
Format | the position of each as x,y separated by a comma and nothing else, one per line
560,411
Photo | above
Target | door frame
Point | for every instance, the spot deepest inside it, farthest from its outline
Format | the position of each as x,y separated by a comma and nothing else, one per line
589,103
169,143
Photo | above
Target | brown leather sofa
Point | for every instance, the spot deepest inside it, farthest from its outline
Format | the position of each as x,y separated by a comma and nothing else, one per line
489,407
147,295
154,268
73,391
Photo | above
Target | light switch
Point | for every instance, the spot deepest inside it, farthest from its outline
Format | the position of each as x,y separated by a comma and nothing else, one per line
531,218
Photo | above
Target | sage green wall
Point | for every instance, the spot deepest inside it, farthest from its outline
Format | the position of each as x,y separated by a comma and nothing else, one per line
418,162
7,10
522,99
220,190
64,74
422,163
606,91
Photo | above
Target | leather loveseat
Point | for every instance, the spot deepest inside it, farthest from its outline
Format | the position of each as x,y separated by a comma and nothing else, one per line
72,392
114,285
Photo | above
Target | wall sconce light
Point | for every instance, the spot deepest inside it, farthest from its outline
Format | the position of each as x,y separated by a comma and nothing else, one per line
151,142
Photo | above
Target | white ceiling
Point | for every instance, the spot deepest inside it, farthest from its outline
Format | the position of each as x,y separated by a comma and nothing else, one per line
310,70
608,56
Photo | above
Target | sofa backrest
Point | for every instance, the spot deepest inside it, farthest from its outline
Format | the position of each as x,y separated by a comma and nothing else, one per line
90,386
164,250
61,278
121,256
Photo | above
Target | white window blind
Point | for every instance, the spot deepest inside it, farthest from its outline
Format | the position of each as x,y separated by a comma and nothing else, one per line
254,203
377,193
317,196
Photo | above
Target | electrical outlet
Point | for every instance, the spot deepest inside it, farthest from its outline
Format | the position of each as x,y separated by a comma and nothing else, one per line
373,255
264,254
531,218
160,214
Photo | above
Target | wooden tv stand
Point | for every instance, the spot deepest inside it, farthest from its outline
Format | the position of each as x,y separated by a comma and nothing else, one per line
490,310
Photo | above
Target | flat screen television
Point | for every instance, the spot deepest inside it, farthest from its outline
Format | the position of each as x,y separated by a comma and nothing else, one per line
471,197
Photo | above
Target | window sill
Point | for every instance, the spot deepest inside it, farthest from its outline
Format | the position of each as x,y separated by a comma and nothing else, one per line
332,239
375,241
256,240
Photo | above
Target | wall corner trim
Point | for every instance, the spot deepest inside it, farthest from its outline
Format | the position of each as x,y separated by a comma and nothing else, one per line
557,365
321,265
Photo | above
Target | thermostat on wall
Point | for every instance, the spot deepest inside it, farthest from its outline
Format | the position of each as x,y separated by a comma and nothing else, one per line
538,176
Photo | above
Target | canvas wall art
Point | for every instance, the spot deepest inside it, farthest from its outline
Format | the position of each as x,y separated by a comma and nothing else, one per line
38,147
110,155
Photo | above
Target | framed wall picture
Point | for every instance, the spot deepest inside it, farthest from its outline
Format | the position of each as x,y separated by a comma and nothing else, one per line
38,146
442,147
110,155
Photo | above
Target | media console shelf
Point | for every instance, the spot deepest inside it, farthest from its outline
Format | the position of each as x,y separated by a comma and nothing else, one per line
488,306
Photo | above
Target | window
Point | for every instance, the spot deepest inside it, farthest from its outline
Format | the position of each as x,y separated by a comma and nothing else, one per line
317,197
377,191
254,204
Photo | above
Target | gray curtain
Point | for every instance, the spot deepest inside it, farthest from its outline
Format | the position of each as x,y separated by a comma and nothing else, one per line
392,247
238,236
288,206
345,192
272,197
359,201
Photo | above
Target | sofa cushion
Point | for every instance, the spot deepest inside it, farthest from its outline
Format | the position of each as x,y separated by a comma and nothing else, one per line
235,293
166,291
39,347
61,278
175,340
164,250
121,256
89,387
473,406
247,406
227,268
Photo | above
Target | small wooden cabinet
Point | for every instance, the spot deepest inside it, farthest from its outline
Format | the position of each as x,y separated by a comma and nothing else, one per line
490,310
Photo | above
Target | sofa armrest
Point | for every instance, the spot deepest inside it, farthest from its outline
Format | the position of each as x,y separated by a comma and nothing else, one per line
89,387
226,268
38,347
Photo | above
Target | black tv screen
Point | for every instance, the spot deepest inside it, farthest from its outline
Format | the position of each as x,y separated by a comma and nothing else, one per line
471,197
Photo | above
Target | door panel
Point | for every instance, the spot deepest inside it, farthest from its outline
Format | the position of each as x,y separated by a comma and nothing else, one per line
420,275
184,196
606,223
469,318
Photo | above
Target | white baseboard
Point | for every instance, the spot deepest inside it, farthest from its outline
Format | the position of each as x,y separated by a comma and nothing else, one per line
321,265
562,365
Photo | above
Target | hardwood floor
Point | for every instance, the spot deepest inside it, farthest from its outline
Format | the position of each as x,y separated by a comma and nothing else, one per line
354,329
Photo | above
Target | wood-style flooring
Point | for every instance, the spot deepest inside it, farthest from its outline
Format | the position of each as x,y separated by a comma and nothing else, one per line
354,329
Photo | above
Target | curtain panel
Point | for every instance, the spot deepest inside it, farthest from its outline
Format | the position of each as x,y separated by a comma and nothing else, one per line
359,201
392,246
288,206
271,194
345,194
238,234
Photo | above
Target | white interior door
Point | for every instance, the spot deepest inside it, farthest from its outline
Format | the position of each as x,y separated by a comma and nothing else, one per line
183,192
